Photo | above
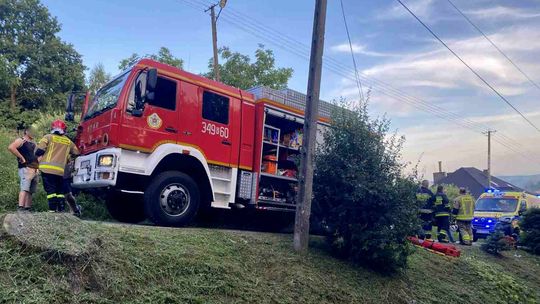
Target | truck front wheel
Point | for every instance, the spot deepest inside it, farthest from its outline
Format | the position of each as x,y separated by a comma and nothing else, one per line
171,199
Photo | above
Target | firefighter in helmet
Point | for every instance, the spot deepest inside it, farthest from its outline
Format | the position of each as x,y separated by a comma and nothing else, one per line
53,151
441,207
464,212
423,196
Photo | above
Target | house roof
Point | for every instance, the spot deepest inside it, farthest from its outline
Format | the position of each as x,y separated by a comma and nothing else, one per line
476,181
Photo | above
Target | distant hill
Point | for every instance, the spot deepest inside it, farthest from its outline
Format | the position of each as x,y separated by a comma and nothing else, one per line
527,182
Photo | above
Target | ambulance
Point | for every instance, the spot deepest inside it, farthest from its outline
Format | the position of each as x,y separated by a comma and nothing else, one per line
502,208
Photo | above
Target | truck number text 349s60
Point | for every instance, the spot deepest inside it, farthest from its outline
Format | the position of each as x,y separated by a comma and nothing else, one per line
212,129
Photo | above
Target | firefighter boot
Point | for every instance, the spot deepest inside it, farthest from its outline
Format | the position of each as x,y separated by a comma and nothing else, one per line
442,237
52,201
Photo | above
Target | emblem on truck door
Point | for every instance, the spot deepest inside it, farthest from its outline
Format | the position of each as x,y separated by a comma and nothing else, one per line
154,121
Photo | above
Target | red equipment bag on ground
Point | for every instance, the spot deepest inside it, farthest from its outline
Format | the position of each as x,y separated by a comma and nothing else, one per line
437,247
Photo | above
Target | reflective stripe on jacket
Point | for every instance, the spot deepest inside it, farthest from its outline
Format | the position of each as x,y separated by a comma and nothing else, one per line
465,208
57,150
423,196
440,205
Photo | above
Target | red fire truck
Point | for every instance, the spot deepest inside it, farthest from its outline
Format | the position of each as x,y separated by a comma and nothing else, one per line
163,143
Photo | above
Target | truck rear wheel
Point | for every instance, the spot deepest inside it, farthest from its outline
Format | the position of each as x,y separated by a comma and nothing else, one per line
125,207
171,199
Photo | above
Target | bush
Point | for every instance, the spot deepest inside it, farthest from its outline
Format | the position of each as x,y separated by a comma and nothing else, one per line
360,192
497,242
530,226
16,119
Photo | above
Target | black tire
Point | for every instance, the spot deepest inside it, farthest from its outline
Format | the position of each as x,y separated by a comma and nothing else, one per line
171,199
125,207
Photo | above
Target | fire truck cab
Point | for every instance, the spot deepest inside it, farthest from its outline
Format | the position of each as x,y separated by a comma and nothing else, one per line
162,143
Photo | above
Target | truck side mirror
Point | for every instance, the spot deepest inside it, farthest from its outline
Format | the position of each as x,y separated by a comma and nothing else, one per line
151,83
69,107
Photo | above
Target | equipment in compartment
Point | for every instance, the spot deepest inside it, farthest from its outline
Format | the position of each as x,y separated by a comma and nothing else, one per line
287,173
284,194
282,139
269,164
271,135
293,139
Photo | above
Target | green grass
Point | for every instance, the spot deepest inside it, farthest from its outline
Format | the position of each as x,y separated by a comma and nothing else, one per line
141,264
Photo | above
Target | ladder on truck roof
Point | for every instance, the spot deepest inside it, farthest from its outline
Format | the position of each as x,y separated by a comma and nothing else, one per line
291,98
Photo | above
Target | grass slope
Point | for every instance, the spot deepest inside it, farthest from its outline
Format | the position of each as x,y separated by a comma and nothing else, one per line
138,264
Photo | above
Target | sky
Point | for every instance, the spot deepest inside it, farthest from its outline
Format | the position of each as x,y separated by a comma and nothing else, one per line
406,71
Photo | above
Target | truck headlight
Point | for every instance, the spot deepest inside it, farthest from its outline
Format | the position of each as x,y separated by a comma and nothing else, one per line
105,160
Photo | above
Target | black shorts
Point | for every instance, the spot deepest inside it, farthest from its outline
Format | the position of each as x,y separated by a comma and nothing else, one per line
66,185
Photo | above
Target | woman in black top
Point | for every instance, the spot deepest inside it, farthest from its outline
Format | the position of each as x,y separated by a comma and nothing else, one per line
23,148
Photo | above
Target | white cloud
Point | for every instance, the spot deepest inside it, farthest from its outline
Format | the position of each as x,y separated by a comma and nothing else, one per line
434,75
357,49
502,117
422,8
457,147
502,12
440,69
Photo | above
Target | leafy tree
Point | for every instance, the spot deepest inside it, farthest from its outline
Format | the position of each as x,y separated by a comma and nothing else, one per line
124,63
530,225
16,118
361,194
164,55
37,67
240,72
98,77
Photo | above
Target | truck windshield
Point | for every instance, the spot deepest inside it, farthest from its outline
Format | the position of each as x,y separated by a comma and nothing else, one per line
496,204
107,97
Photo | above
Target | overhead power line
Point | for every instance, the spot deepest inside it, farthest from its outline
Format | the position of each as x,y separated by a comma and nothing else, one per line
494,45
281,40
358,83
469,67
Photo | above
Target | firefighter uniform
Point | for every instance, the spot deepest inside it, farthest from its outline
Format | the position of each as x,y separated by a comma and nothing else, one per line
423,196
54,150
464,212
441,209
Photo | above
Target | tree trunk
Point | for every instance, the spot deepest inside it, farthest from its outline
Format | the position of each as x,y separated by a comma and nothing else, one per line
13,96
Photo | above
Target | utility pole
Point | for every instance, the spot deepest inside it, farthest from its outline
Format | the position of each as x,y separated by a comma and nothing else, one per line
303,207
214,34
488,133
